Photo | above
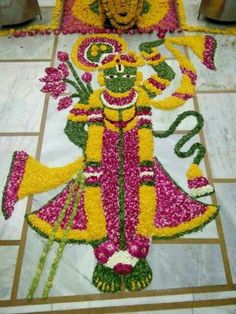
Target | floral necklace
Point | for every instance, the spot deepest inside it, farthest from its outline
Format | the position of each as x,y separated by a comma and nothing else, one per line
117,102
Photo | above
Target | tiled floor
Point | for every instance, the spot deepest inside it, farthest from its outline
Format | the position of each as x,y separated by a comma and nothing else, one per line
195,274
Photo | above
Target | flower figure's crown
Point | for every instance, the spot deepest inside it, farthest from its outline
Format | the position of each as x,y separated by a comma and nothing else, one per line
129,60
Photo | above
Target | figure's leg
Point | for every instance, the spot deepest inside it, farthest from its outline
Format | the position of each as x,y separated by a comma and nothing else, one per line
28,176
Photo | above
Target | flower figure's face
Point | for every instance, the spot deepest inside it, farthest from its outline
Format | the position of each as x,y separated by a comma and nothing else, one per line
120,79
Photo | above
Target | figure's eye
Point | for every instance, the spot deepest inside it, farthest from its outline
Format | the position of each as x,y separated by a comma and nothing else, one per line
128,75
111,76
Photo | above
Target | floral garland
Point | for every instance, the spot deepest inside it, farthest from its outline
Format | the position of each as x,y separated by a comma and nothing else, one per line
53,27
146,15
123,198
192,28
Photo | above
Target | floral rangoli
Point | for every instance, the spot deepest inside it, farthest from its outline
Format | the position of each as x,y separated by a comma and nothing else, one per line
118,196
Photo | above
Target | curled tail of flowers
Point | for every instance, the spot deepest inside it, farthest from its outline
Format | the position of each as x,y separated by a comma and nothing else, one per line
197,182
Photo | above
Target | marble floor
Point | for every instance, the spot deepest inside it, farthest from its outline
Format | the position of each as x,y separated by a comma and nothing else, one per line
195,274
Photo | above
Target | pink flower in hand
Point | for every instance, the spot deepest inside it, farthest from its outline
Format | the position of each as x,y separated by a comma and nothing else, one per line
62,56
87,77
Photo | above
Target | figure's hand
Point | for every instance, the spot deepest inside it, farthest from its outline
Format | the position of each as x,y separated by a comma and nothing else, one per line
148,46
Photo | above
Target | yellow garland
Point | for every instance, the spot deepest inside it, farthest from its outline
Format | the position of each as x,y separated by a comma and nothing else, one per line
39,178
54,23
81,11
192,28
96,225
158,10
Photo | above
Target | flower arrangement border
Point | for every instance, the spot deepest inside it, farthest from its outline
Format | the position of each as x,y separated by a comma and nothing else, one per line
32,30
194,28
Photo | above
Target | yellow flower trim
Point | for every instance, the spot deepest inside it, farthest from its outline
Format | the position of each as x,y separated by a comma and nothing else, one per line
96,226
111,114
94,143
131,10
157,11
143,99
147,227
95,100
127,128
146,144
192,28
81,10
128,114
75,118
80,41
139,78
194,172
39,178
54,23
101,80
148,203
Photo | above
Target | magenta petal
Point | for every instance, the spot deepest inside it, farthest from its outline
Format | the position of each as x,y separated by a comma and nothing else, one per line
62,56
64,103
87,77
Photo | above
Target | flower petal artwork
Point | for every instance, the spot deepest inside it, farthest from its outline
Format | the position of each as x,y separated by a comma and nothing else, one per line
117,197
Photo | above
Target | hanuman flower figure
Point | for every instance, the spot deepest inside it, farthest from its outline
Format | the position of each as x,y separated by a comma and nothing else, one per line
118,196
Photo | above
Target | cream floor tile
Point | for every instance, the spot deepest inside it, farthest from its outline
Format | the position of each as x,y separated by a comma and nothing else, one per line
181,311
226,194
7,268
26,309
21,103
78,263
177,266
21,48
224,76
215,295
220,132
11,229
231,309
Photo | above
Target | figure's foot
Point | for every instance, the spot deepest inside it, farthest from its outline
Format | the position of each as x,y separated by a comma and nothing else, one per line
10,194
106,279
140,277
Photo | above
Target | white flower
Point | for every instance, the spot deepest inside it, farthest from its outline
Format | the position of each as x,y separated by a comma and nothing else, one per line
122,257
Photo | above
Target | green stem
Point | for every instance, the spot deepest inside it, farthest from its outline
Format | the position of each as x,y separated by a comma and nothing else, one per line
196,146
49,243
62,244
72,83
78,80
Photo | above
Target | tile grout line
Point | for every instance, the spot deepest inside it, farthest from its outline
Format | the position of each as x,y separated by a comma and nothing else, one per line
120,295
22,245
9,242
5,134
224,252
